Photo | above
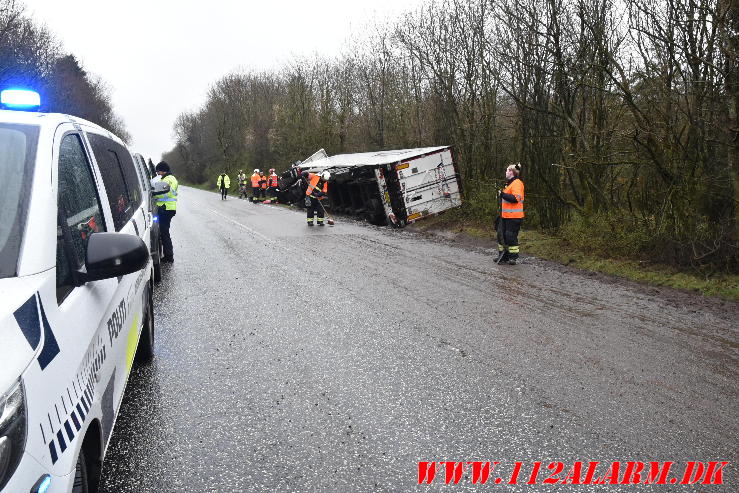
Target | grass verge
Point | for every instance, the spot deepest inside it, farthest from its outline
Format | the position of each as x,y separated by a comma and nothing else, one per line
557,249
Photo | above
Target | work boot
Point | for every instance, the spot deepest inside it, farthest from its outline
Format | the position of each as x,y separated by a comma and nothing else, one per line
513,259
502,256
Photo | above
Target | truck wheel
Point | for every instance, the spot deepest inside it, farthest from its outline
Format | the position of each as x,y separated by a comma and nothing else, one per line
81,477
145,350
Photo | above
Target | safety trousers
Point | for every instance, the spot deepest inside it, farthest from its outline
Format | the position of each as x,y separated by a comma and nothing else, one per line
314,208
508,236
165,219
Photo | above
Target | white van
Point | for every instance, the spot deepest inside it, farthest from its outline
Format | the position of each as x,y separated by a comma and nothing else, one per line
76,310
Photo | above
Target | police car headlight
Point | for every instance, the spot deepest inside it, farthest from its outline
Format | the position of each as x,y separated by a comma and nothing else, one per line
12,431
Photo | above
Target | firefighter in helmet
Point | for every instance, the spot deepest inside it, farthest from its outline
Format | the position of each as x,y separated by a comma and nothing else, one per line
511,217
255,186
317,191
272,183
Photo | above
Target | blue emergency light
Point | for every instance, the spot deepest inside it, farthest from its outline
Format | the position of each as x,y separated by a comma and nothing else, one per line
20,99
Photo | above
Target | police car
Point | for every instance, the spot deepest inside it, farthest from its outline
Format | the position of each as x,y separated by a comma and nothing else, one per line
150,206
76,281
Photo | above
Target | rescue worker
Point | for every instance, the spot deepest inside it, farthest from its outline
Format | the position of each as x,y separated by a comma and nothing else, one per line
272,182
167,208
241,177
224,182
262,185
255,186
317,190
511,198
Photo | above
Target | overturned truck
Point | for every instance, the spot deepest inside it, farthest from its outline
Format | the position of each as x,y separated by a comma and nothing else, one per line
386,187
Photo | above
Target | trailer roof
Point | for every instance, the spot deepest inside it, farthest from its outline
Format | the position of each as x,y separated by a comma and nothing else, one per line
371,158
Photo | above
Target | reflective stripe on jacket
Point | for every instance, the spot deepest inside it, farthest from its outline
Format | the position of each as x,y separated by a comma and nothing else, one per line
313,180
169,199
255,180
273,180
513,210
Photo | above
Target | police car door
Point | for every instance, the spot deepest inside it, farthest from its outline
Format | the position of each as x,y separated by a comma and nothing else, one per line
65,393
124,320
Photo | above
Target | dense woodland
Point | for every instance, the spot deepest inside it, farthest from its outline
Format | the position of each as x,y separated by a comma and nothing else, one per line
623,114
31,57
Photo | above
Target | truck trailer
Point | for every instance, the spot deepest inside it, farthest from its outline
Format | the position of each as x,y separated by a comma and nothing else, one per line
393,188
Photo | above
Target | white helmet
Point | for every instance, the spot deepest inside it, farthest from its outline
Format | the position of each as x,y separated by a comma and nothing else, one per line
256,170
325,175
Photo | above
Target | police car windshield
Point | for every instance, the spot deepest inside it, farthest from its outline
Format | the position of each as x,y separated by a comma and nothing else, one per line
17,158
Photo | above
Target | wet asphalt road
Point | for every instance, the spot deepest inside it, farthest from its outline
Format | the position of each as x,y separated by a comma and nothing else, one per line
334,359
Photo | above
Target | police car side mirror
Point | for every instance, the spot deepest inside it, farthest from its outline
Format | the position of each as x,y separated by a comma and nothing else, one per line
111,255
160,187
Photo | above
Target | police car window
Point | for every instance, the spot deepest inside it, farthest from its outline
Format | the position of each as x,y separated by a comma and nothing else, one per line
116,168
79,210
131,175
141,168
17,159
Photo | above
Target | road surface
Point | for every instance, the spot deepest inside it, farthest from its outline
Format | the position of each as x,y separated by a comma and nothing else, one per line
291,358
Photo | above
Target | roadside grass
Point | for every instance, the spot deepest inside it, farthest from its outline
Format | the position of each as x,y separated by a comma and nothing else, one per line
557,249
202,186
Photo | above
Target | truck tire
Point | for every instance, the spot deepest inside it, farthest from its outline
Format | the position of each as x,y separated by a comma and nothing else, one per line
145,349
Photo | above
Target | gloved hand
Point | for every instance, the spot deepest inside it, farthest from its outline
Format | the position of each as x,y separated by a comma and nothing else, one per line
304,174
307,201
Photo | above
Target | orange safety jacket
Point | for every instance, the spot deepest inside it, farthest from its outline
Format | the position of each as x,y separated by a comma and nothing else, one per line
313,180
255,180
263,182
273,180
513,210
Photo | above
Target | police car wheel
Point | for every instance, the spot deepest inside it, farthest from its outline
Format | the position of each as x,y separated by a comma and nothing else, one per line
145,350
81,477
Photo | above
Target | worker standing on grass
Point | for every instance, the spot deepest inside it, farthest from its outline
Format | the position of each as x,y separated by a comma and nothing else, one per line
317,191
224,182
167,208
511,198
272,181
255,186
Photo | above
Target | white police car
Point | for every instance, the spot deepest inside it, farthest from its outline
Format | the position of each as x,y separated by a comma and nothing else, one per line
76,280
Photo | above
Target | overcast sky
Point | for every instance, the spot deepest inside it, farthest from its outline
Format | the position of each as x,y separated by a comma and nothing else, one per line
160,56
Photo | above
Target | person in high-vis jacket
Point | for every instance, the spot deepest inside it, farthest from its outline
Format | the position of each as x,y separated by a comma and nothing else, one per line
511,215
262,185
224,182
317,190
272,183
167,208
241,177
255,189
